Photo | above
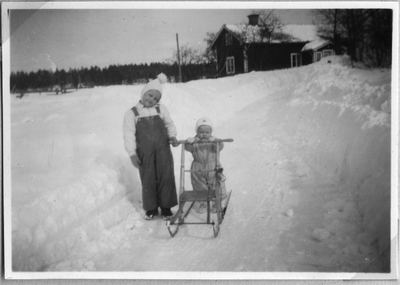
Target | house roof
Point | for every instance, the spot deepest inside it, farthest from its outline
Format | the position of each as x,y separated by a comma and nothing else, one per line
301,33
231,30
315,45
250,33
297,33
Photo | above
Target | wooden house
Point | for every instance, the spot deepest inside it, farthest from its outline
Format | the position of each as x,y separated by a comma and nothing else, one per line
240,49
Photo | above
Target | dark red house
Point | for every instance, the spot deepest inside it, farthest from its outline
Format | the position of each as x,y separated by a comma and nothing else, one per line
239,48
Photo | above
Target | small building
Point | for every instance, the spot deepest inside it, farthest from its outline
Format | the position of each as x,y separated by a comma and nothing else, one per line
317,49
240,48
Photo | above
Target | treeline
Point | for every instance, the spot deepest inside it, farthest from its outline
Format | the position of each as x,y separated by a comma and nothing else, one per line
47,80
366,33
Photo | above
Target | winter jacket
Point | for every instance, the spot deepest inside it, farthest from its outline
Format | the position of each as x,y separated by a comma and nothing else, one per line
129,125
204,158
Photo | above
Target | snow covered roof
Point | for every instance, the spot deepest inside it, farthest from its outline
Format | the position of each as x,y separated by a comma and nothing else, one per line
296,33
220,31
303,33
235,30
316,44
250,33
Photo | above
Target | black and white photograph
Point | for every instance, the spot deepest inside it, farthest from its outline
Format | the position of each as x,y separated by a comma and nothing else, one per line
200,140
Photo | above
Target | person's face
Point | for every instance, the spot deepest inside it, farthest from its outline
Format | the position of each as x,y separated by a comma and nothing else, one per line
204,133
150,98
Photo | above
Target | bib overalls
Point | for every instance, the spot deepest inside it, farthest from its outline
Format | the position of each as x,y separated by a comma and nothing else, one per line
157,164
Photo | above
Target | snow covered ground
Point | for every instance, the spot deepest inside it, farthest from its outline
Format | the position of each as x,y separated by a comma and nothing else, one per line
310,171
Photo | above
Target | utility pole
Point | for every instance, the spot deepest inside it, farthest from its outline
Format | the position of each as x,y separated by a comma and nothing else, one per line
179,60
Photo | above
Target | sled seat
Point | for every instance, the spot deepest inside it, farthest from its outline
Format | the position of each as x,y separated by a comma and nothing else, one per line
194,196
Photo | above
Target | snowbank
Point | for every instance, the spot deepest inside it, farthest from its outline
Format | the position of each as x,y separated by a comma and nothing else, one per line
342,129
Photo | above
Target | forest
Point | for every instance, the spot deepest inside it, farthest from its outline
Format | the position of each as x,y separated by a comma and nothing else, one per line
61,80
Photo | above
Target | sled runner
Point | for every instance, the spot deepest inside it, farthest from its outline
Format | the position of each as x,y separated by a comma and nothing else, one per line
213,194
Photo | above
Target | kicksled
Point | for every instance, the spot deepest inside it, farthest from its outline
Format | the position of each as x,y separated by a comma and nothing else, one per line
190,197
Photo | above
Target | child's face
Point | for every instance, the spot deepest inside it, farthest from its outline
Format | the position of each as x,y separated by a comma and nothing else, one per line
150,98
204,133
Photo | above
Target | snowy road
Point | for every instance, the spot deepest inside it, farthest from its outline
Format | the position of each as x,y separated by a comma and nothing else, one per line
304,193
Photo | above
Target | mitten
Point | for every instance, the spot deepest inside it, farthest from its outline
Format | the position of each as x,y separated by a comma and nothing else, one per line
190,140
174,141
135,161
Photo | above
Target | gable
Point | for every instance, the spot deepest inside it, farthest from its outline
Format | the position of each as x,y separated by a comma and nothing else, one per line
221,33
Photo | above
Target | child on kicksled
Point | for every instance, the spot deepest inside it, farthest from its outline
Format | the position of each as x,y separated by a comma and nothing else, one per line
203,159
147,130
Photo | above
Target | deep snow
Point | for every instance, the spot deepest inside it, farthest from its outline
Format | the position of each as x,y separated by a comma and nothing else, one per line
310,170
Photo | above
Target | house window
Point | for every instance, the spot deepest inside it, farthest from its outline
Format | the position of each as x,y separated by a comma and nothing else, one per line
320,54
317,56
327,52
295,59
228,39
230,65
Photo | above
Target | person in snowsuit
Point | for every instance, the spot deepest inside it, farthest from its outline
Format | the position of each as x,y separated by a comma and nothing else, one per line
204,158
147,130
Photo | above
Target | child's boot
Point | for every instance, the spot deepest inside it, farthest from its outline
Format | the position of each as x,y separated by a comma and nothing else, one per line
151,215
166,213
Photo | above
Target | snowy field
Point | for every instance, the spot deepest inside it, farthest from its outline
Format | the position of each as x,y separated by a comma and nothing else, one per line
309,169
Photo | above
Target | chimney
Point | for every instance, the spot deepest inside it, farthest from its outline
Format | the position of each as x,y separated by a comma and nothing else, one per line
253,19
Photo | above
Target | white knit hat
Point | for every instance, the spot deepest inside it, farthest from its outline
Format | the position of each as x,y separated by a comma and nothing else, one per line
155,84
203,122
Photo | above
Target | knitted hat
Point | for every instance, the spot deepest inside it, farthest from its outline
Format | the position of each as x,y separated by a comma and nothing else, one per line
155,84
203,122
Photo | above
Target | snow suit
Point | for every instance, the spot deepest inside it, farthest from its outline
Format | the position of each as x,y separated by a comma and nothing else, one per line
204,157
152,130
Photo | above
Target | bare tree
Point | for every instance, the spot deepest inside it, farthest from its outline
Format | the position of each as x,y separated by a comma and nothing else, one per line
210,55
270,25
329,26
188,56
328,22
268,28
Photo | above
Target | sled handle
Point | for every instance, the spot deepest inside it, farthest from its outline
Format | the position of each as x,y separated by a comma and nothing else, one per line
218,141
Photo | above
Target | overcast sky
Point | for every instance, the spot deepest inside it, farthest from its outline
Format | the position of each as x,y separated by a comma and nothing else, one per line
73,38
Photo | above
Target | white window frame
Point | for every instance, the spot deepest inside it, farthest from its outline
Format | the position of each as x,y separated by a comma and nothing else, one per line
317,56
327,52
228,39
230,65
295,59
